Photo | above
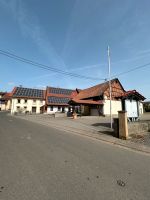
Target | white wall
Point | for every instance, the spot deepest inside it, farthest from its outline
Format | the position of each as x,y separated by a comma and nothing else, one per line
116,106
55,109
30,103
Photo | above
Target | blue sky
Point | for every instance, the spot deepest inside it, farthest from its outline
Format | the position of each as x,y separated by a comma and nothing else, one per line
73,35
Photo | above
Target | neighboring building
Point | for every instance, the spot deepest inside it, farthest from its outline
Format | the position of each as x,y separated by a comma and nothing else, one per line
95,100
2,101
91,101
132,103
146,106
5,101
27,100
7,98
57,99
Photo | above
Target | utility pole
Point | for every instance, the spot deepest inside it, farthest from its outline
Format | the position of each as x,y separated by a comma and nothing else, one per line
110,89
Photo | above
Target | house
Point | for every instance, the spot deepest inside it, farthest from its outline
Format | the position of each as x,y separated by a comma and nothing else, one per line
27,100
93,101
96,100
132,103
146,106
57,99
2,101
5,101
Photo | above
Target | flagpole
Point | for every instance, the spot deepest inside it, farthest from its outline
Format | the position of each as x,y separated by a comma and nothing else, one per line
110,89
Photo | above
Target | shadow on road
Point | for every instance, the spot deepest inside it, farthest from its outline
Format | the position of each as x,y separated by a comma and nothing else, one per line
102,124
104,128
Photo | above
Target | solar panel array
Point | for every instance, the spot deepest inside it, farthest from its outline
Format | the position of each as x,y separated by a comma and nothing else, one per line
58,100
27,92
60,91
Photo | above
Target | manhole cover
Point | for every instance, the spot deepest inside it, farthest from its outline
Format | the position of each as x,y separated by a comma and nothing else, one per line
121,183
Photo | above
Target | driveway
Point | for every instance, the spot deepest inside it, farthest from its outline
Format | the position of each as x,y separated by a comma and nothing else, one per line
86,123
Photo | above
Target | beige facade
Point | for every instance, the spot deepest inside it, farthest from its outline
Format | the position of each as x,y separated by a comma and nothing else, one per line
26,105
5,104
116,106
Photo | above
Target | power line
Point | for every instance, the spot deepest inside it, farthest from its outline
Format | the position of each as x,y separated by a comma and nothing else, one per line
131,70
46,67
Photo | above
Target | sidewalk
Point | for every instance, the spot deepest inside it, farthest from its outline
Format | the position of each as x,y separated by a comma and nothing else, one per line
96,128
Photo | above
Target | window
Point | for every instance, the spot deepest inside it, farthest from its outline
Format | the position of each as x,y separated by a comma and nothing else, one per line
25,107
25,100
59,108
18,100
51,108
34,100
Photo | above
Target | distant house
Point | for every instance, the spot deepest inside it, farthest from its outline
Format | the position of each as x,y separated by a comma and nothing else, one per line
2,101
57,99
27,100
146,106
96,100
5,101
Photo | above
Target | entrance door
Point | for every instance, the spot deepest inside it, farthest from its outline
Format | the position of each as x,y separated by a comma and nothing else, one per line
34,109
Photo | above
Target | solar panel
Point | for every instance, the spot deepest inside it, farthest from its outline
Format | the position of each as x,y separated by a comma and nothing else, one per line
60,91
27,92
58,100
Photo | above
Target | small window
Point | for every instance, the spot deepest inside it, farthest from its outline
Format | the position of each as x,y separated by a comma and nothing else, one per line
25,100
25,107
18,100
59,108
51,108
34,100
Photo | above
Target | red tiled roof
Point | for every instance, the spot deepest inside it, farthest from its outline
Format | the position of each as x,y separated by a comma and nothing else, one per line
78,101
96,90
133,92
2,93
8,95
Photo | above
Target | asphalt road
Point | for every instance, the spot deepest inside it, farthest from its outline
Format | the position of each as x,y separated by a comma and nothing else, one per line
41,163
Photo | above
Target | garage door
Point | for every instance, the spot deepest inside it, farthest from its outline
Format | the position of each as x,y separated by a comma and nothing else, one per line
94,112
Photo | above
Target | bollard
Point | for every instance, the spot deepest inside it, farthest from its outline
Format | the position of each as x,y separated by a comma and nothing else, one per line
74,115
123,125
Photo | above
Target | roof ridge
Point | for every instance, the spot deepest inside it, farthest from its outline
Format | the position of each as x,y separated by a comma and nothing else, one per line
100,84
60,88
